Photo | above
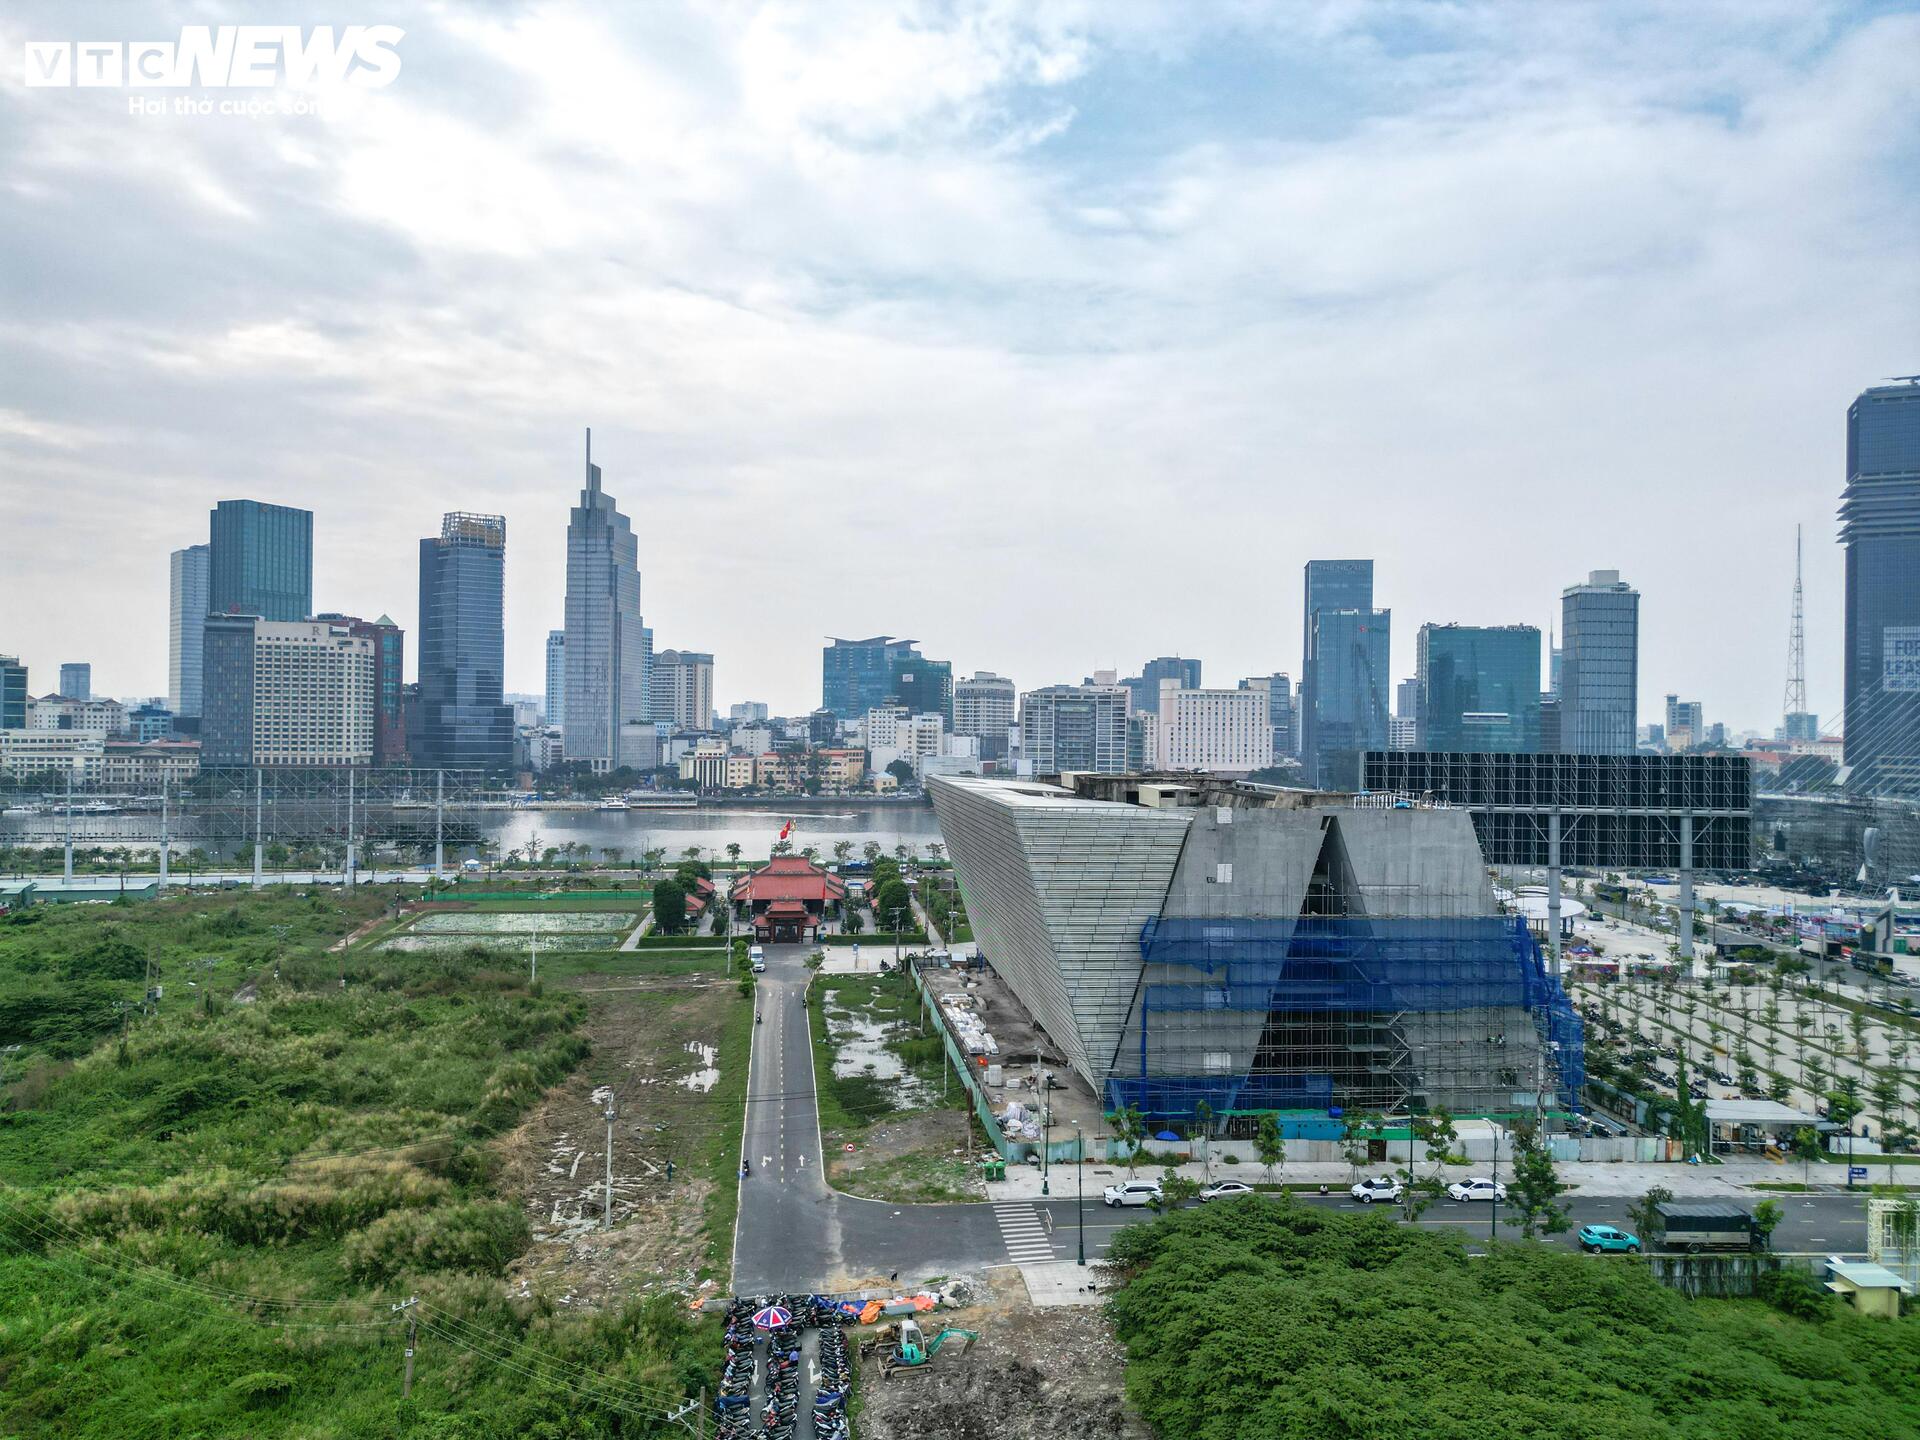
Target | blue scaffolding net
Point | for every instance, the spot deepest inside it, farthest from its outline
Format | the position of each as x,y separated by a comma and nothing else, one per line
1369,971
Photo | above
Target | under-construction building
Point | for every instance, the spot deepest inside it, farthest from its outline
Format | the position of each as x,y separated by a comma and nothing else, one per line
1186,940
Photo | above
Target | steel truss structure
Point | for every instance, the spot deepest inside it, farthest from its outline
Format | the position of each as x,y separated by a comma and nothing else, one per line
1623,812
225,810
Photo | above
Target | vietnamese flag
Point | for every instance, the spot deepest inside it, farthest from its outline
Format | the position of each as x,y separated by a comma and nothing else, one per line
786,830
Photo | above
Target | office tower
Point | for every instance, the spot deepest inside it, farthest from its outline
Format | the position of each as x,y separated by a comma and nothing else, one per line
924,686
1350,663
823,727
985,708
151,721
465,720
76,680
748,712
683,689
1880,526
13,693
1145,687
389,683
1143,740
606,644
1685,727
1281,714
856,675
1330,585
1479,688
1224,732
260,561
298,693
189,603
1553,664
1075,727
1599,666
556,703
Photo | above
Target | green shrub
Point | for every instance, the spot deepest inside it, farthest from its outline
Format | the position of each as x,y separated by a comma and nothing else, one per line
260,1388
1793,1292
476,1235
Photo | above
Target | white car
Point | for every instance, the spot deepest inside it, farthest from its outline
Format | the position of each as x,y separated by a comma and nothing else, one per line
1132,1192
1479,1188
1225,1189
1378,1187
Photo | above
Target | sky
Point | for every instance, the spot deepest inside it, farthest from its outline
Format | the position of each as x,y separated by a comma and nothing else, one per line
1054,335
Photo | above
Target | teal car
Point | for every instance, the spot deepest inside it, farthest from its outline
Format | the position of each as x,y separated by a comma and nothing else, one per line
1595,1238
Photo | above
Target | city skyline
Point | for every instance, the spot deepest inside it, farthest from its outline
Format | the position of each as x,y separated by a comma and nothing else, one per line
1283,294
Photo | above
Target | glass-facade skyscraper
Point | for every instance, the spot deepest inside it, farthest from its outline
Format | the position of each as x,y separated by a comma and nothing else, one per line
260,561
924,686
1479,688
1880,526
606,641
13,693
188,607
857,675
1599,666
1333,585
464,722
1351,665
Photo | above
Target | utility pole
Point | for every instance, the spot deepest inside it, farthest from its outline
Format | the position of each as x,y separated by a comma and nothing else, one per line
406,1307
166,843
611,1113
69,867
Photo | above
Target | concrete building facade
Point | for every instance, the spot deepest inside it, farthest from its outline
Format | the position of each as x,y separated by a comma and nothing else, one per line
297,693
76,680
1184,941
683,689
1225,732
1075,727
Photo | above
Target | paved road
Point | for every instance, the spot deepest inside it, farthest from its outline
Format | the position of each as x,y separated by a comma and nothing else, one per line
1811,1224
796,1234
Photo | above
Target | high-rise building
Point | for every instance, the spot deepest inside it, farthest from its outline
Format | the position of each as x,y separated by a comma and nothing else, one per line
1145,687
189,603
1349,666
1330,585
985,707
683,689
260,561
1075,727
1479,688
748,712
556,703
1224,732
1880,526
465,720
389,683
1686,729
76,680
298,693
1599,666
606,644
924,686
13,693
856,675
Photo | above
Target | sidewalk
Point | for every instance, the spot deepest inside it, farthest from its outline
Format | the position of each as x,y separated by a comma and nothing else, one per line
1583,1178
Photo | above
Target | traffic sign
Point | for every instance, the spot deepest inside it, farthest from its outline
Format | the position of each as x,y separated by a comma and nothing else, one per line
1856,1172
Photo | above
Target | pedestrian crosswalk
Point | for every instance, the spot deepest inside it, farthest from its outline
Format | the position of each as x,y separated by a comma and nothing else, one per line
1024,1233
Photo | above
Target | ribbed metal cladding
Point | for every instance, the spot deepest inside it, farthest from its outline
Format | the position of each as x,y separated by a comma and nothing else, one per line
1057,889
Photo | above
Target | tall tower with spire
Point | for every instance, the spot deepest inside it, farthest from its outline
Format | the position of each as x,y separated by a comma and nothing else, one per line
1796,723
606,650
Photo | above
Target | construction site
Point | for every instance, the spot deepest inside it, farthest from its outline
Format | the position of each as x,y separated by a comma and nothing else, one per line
1201,950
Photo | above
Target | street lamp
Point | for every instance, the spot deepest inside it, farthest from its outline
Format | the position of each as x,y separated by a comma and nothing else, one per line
1046,1124
1493,1198
1080,1188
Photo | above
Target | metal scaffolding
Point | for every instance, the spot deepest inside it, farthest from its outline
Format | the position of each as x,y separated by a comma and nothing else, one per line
1398,1016
239,811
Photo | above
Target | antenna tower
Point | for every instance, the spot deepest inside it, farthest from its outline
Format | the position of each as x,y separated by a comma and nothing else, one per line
1796,698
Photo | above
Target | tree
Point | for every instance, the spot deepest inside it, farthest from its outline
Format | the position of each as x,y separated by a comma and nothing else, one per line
1767,1216
614,854
871,850
1536,1185
781,847
936,851
1357,1132
1175,1190
811,854
1269,1145
1442,1139
842,851
691,853
733,852
1130,1129
901,771
1645,1213
652,856
669,906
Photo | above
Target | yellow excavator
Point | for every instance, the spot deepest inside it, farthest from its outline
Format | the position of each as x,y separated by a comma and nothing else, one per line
911,1350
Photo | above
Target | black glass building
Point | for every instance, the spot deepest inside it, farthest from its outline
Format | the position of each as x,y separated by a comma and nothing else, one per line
464,722
1479,688
1880,526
